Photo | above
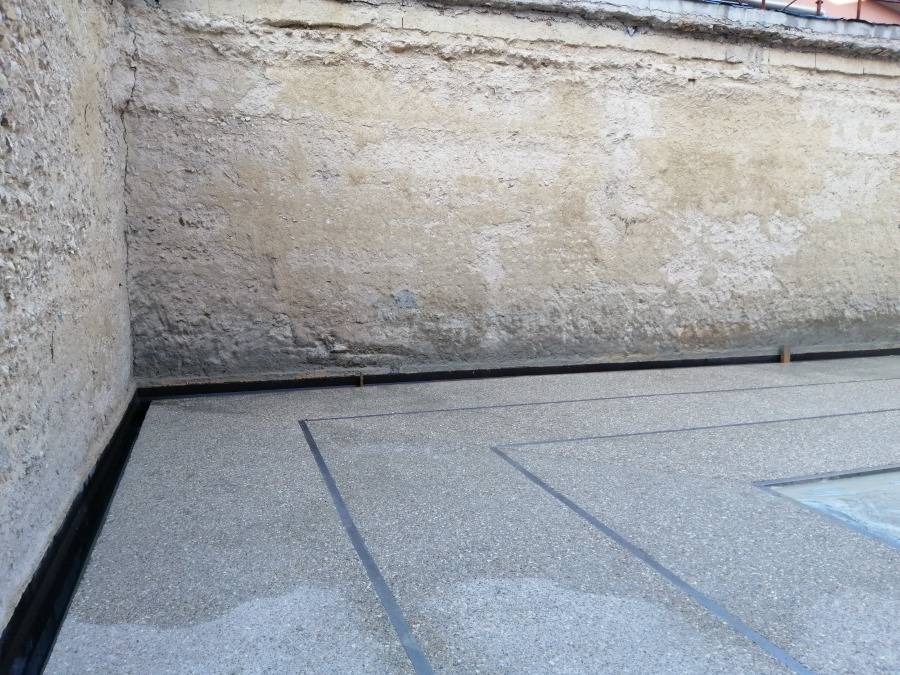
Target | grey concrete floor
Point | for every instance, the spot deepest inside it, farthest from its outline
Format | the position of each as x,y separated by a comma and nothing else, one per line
603,522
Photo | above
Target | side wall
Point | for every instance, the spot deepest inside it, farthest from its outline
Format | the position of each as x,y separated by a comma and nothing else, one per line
347,185
65,339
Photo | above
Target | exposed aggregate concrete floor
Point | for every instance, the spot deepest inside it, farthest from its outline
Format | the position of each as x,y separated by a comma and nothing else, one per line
604,522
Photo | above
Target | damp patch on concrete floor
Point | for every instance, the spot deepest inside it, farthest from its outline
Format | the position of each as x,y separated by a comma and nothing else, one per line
866,501
378,529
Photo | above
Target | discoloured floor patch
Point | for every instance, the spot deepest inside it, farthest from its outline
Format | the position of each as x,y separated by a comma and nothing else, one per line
223,543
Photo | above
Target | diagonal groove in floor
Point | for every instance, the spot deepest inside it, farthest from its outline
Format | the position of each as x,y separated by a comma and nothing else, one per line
705,601
411,646
699,597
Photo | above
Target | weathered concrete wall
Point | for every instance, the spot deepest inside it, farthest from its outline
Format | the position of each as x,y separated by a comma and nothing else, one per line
65,340
378,185
322,185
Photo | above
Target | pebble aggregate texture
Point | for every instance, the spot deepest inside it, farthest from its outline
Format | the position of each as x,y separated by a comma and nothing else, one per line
223,551
65,339
325,185
343,185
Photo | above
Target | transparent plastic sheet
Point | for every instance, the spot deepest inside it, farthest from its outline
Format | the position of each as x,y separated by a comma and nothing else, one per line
869,503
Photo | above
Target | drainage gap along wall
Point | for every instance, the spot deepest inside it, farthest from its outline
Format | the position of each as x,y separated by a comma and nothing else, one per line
326,185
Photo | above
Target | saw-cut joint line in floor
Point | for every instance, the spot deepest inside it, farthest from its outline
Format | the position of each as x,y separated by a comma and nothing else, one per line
593,399
697,596
410,645
654,432
414,651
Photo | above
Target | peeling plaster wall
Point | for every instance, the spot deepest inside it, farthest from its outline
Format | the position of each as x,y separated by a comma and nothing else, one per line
65,338
335,185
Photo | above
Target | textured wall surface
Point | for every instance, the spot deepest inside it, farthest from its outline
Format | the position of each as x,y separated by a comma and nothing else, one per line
325,185
360,185
344,185
65,342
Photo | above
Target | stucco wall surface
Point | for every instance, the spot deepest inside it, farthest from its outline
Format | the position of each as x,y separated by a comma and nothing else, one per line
65,340
341,185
